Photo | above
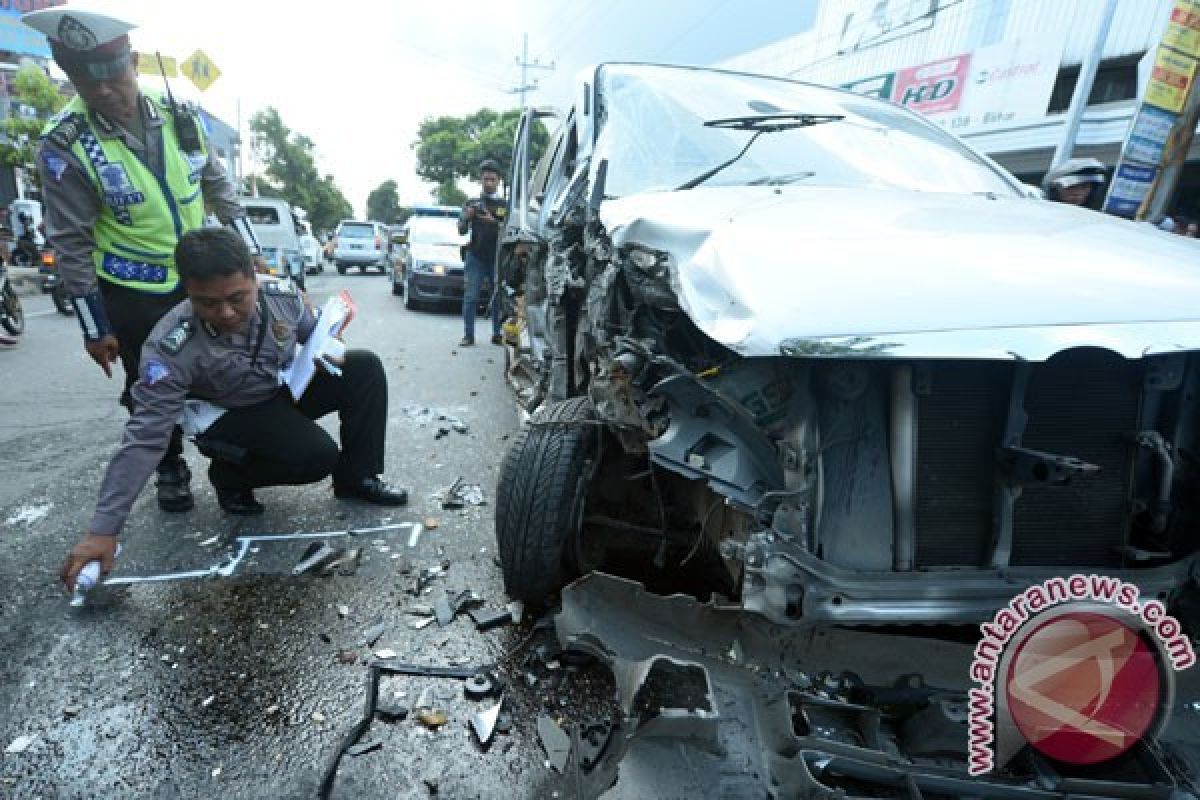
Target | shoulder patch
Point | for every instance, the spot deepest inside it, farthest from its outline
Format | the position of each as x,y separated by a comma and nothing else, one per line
64,134
177,337
155,371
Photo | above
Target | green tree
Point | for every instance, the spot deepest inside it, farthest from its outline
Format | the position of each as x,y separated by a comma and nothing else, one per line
451,148
291,171
448,194
383,204
36,99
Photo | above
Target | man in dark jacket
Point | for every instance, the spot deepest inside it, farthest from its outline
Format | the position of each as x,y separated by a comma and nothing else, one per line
483,216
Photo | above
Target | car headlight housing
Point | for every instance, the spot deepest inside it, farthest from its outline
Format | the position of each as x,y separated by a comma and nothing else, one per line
429,267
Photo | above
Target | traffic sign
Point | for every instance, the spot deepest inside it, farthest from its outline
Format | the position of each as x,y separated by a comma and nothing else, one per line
200,70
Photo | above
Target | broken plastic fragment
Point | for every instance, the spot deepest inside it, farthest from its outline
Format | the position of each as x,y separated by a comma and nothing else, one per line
554,741
443,611
372,634
385,654
20,744
364,748
343,610
210,541
485,619
421,624
431,522
317,557
317,716
484,723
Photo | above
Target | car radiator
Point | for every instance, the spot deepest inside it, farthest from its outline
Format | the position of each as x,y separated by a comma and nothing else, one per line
1082,403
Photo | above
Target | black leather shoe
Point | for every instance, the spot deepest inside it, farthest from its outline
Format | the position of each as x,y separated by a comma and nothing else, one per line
239,501
372,490
174,487
497,339
467,342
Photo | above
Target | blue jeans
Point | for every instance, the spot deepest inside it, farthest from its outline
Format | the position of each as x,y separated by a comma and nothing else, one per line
475,271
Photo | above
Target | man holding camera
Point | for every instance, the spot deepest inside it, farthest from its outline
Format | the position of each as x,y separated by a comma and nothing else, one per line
483,216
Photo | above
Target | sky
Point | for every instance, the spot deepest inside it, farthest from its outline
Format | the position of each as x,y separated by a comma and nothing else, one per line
358,78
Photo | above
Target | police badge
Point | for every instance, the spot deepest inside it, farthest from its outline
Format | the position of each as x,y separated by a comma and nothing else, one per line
75,35
280,330
115,179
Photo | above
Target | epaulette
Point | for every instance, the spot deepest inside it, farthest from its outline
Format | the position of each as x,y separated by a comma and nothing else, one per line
64,134
177,337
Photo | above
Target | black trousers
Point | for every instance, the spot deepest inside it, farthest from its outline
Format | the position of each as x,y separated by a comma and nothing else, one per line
276,442
133,315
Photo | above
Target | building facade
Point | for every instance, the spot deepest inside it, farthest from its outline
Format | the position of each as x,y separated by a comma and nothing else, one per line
998,73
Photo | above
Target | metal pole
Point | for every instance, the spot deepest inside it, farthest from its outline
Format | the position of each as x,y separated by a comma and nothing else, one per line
1083,86
1162,194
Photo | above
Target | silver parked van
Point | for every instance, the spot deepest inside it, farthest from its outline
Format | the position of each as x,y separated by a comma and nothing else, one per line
362,245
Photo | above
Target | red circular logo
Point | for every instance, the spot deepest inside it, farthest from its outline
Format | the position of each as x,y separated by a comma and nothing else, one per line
1084,687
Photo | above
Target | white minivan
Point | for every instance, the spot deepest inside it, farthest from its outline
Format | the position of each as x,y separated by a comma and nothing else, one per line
362,245
275,228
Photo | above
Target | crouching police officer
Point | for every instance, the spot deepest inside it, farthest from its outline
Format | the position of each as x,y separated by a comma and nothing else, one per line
226,345
124,174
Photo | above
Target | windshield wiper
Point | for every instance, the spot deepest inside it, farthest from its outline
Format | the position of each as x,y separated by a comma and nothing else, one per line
760,124
780,180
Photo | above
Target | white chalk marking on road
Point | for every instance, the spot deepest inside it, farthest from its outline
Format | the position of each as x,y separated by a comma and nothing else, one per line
242,546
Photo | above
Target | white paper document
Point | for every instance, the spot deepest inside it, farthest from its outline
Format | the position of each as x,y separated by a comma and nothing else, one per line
322,344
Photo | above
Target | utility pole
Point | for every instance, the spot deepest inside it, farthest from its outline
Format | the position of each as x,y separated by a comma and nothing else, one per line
1083,88
527,65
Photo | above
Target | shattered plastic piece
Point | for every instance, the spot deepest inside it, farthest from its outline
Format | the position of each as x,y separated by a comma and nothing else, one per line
343,611
420,610
208,701
484,723
431,522
472,494
364,748
432,718
466,600
392,713
317,716
319,556
210,541
272,710
347,565
517,609
216,772
346,656
20,744
555,742
385,654
485,620
443,611
421,624
373,634
71,711
531,680
504,722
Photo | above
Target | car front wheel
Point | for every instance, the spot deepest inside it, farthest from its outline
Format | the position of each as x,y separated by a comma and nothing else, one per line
540,500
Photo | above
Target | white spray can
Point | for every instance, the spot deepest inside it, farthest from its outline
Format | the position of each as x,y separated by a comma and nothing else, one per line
88,579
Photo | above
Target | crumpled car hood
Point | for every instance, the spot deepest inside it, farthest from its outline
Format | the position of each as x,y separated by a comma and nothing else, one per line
875,272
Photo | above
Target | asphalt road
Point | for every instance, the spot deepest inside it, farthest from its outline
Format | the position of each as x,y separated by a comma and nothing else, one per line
232,686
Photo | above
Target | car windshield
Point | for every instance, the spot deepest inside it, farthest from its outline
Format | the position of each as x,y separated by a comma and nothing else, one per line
434,230
262,215
357,231
654,137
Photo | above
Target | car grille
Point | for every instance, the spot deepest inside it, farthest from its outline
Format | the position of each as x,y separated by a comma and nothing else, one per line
1081,403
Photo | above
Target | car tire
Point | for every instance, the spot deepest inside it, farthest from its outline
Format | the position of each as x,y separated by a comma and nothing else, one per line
341,269
410,302
540,498
397,289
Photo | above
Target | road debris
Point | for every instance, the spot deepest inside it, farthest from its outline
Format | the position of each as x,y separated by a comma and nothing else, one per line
345,656
343,610
317,557
432,718
459,495
555,742
443,611
484,724
364,748
431,523
486,619
479,686
208,701
415,535
317,716
374,633
385,654
421,624
71,711
210,541
20,744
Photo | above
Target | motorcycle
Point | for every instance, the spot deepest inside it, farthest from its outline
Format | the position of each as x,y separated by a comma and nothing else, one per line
12,316
53,284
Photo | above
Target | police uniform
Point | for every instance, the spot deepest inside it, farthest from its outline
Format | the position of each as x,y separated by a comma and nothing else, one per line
263,438
118,197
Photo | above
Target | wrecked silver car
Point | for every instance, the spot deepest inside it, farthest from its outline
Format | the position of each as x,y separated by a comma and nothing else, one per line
805,347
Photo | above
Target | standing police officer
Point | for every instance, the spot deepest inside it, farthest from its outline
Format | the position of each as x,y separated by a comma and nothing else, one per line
124,174
483,216
226,345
